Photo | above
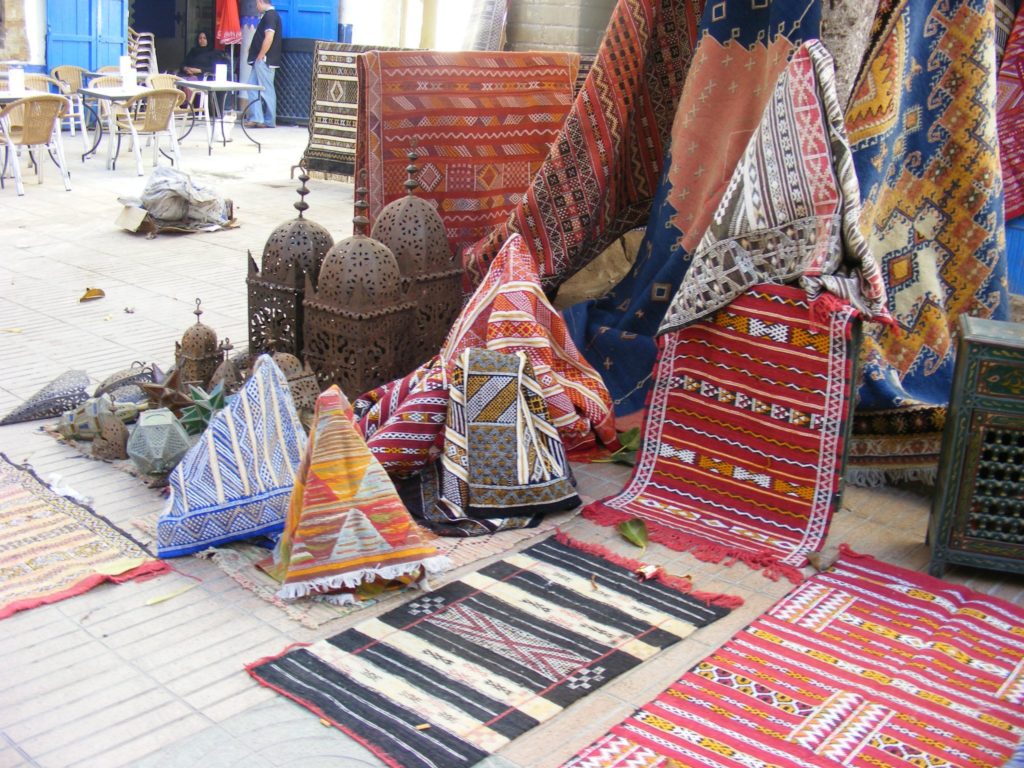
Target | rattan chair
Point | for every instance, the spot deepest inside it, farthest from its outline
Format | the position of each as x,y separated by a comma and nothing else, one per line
150,114
34,123
71,79
185,115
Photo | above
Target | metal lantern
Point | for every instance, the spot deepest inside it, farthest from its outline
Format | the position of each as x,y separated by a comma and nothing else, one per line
82,422
111,441
158,442
197,355
295,249
123,385
62,394
412,229
233,371
357,315
301,380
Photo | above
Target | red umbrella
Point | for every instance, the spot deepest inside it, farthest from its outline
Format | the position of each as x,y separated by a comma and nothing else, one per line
229,30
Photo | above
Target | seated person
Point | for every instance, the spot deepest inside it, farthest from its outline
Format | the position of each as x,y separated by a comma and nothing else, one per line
200,60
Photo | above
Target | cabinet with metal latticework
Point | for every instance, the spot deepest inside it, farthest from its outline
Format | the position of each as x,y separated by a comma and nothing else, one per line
978,511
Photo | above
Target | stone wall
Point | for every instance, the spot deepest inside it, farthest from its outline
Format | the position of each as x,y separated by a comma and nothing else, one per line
13,37
557,25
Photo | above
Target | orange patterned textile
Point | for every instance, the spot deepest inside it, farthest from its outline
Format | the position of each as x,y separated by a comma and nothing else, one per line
508,313
347,534
481,122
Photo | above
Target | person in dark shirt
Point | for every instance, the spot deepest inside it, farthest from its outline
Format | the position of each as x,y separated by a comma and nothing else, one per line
201,59
265,58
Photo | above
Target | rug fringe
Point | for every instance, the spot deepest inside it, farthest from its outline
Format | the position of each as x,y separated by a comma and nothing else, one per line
706,551
351,580
681,583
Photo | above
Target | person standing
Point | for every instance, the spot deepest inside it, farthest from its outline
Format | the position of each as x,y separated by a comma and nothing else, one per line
265,58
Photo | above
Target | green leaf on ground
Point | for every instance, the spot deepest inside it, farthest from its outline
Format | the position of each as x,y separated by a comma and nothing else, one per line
634,531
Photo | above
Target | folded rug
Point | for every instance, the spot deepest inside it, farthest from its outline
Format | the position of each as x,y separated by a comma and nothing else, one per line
480,121
742,49
347,535
922,128
742,445
234,483
601,171
866,664
503,464
508,312
486,658
52,548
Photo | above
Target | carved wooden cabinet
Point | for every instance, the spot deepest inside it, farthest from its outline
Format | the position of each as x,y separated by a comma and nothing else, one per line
978,511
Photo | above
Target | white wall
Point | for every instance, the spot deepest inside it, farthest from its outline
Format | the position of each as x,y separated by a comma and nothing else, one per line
35,30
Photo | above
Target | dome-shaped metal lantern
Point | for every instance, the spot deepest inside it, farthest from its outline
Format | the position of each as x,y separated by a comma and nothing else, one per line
301,380
158,442
412,229
357,315
197,355
293,250
111,441
233,371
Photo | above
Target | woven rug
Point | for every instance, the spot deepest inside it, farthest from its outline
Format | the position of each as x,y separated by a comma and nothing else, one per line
742,445
485,30
601,174
331,151
52,548
403,421
742,50
454,675
480,121
922,127
347,534
1010,120
503,465
235,482
864,665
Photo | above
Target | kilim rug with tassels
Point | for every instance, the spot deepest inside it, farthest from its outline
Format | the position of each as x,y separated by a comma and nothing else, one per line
866,664
743,441
52,548
486,658
480,121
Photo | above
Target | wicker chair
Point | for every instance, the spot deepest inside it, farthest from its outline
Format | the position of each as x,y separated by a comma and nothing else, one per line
185,115
71,79
150,114
34,123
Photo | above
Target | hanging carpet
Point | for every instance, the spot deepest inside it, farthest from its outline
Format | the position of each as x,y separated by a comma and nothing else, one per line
864,665
347,534
742,445
485,30
334,99
403,421
480,121
922,127
503,465
52,548
741,52
486,658
235,482
601,173
1010,120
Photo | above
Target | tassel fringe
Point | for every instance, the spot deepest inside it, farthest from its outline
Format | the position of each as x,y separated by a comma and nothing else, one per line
705,551
331,584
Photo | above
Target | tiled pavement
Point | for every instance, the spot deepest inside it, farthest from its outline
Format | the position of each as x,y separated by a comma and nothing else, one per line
107,679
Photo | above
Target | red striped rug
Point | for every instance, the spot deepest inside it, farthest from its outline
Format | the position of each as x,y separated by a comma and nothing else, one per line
743,439
864,665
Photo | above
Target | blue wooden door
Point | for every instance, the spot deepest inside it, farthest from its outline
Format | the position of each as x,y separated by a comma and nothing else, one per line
87,33
112,41
317,19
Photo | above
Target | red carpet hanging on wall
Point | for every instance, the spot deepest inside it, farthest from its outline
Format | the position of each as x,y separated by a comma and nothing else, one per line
481,122
864,665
